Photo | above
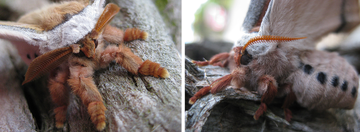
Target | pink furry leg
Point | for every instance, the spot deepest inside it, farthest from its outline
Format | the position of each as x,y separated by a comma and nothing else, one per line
268,90
290,99
59,93
82,83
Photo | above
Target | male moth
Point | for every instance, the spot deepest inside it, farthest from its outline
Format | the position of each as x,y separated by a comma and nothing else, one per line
277,66
71,37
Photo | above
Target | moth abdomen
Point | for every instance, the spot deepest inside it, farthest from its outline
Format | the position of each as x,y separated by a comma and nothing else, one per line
325,80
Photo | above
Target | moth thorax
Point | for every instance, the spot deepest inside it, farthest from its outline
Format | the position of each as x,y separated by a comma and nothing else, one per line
261,48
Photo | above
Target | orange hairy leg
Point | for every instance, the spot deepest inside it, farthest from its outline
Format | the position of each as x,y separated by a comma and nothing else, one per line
125,57
153,69
271,90
134,34
216,86
237,55
131,62
82,84
59,93
202,92
221,83
113,34
290,99
216,60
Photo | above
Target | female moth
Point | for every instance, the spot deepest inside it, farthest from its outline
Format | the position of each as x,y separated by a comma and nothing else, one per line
72,36
277,66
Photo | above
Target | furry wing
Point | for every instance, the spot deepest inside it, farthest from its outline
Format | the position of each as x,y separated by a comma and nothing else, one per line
309,18
27,38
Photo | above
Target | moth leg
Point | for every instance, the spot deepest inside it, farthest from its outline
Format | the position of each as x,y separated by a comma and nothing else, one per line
268,90
216,86
116,35
59,93
134,34
131,62
220,59
202,92
290,99
82,83
113,34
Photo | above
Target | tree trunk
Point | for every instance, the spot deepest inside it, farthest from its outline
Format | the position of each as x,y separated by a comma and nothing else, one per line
14,112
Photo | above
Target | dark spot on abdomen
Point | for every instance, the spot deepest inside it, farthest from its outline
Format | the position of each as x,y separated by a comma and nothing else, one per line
344,86
308,69
335,81
321,77
28,56
353,91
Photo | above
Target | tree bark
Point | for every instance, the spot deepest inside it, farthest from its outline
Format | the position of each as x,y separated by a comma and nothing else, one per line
14,112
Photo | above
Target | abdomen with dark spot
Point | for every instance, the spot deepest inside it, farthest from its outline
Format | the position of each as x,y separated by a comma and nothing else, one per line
325,81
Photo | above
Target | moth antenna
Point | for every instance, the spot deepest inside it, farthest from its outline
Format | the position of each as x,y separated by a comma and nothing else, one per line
46,62
153,69
134,34
268,38
108,14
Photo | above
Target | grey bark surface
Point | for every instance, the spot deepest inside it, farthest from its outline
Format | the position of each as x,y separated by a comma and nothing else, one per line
171,13
134,103
14,112
233,109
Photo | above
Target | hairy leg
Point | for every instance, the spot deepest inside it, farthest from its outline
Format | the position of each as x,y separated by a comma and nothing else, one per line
220,59
216,86
124,56
59,93
131,62
268,90
113,34
236,78
290,99
82,84
116,35
202,92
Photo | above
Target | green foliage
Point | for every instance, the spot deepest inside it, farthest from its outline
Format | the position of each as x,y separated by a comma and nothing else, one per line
161,4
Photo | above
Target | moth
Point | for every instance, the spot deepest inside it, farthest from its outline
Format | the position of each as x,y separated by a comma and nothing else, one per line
278,58
70,41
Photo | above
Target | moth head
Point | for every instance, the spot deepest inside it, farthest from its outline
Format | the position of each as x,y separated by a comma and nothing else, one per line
258,46
88,46
90,42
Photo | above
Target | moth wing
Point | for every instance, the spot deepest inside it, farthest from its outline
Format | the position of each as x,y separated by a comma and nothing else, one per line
25,37
46,62
309,18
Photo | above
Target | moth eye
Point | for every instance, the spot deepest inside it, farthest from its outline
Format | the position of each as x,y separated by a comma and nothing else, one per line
246,58
96,42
